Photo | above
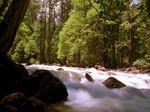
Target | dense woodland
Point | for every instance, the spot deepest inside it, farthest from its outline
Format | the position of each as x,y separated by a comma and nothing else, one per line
112,33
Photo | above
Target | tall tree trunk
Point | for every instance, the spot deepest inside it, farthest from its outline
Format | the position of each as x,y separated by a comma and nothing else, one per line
77,57
114,62
50,33
42,37
11,22
130,36
130,47
114,33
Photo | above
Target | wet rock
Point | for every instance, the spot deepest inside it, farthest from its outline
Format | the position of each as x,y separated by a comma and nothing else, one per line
146,71
33,105
111,83
101,68
128,69
34,81
12,70
23,80
8,108
7,78
89,78
51,88
12,76
7,86
47,87
14,99
60,69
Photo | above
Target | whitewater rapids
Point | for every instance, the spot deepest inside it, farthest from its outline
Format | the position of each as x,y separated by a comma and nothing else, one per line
85,96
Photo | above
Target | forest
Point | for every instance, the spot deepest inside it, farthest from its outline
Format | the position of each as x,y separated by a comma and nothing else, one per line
112,33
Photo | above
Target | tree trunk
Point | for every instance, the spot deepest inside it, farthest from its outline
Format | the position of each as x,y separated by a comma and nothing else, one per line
11,22
130,37
114,33
77,57
50,33
130,48
42,38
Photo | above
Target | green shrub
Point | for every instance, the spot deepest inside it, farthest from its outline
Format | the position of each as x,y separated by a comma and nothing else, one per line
142,63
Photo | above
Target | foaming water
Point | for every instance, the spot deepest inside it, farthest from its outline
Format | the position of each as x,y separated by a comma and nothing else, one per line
85,96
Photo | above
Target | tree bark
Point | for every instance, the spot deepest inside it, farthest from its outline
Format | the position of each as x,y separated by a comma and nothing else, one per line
50,33
42,37
130,37
130,47
11,22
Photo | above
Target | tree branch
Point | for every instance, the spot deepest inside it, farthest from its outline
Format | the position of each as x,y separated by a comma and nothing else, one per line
93,6
4,5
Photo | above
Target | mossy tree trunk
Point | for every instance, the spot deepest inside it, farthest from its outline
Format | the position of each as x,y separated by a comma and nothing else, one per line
11,22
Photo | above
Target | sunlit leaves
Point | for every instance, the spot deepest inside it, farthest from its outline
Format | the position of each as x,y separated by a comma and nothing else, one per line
80,5
69,38
26,46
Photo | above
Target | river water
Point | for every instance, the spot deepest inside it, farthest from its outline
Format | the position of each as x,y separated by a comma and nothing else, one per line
85,96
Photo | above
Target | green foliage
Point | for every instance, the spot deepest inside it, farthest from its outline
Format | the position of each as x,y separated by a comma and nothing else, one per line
97,31
25,48
77,34
141,63
19,54
70,34
80,5
1,1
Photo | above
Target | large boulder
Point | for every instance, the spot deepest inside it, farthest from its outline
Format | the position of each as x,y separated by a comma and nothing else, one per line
14,99
33,85
7,86
12,76
11,69
48,87
111,83
8,108
33,105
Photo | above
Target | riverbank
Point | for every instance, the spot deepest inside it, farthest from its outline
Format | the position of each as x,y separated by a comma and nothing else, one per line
133,70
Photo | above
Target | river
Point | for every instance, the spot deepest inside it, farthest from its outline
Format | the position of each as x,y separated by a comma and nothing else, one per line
86,96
